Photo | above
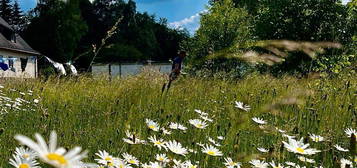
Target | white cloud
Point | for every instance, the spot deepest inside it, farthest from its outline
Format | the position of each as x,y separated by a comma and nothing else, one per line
345,1
191,23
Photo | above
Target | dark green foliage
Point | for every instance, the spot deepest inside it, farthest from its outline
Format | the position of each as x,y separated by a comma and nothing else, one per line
17,20
305,20
56,29
138,33
120,53
5,10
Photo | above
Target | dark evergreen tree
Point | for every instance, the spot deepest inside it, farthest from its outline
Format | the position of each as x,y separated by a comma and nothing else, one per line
6,10
17,17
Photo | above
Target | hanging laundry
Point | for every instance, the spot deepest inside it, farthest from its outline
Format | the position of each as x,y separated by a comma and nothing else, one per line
11,64
3,65
59,67
72,68
23,64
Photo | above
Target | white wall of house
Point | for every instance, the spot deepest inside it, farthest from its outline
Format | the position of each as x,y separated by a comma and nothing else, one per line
30,70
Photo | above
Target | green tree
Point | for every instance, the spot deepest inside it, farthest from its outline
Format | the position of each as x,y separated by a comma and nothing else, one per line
5,10
17,20
56,29
222,26
304,20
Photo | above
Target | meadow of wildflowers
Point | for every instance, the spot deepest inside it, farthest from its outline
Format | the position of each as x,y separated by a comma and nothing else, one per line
257,122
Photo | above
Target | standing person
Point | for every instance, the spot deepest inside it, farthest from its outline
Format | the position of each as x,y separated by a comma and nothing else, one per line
176,69
177,66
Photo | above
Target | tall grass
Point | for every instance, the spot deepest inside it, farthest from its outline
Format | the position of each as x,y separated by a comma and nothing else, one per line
95,113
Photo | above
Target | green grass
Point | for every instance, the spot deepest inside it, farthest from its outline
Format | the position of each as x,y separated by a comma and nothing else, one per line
94,114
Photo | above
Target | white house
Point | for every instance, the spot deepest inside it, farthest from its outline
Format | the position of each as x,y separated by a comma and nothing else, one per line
17,58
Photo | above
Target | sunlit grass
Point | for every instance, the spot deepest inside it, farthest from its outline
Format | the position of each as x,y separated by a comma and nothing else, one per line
95,113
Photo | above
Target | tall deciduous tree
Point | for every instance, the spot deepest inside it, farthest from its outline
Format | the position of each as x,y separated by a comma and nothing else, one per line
56,29
221,26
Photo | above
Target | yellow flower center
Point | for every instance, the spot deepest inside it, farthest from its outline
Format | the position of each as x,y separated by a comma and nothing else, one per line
317,139
211,152
199,125
151,126
300,150
108,159
158,143
193,166
56,157
110,164
25,156
24,165
132,161
232,163
161,159
355,159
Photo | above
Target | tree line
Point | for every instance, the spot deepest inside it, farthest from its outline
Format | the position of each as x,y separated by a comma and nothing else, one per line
67,31
233,27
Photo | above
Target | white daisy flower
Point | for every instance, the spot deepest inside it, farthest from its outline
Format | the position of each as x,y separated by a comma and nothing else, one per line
160,143
130,159
198,123
192,150
178,163
118,163
299,147
220,138
201,112
156,165
259,120
20,162
200,144
316,138
288,136
213,142
211,150
205,118
290,164
133,139
105,159
338,147
259,164
165,131
242,106
346,163
25,153
162,158
145,165
350,132
188,164
152,125
176,148
278,165
304,159
177,126
57,157
229,163
263,150
280,130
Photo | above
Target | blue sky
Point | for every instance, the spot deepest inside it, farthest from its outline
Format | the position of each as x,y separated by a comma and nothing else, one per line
180,13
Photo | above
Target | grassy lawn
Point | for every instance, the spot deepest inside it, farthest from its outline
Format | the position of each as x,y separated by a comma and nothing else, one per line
96,113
